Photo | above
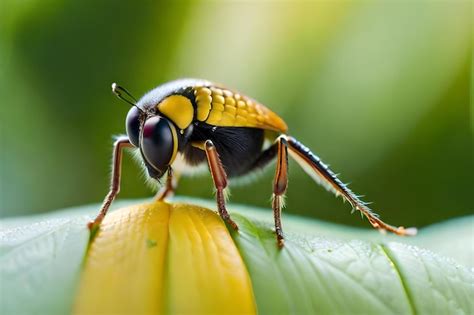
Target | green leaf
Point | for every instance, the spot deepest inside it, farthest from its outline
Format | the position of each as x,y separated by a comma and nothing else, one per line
323,267
354,272
453,238
40,263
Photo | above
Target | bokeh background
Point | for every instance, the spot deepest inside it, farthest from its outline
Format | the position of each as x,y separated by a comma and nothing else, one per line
380,90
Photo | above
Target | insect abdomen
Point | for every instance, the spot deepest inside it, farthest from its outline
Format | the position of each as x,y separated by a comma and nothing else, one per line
238,148
224,108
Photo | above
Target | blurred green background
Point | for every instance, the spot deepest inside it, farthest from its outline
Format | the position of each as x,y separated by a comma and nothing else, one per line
379,90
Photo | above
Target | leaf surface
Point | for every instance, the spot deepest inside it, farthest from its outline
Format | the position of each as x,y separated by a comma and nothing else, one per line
323,268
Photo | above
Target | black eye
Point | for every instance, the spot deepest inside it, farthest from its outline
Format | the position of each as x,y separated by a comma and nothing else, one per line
159,142
133,125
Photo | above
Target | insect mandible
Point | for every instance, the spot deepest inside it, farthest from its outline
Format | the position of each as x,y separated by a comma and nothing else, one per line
187,123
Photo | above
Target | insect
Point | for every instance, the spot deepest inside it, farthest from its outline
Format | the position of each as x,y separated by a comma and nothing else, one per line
188,123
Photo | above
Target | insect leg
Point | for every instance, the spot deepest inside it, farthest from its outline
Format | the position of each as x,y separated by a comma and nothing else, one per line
321,173
220,181
119,145
170,186
280,184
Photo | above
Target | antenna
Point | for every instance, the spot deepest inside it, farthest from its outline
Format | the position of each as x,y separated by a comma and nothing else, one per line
124,95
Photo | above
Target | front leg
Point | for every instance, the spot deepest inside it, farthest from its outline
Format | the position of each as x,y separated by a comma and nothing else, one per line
170,186
119,145
220,181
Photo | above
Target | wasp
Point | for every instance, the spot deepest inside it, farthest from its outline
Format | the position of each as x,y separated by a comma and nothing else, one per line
185,124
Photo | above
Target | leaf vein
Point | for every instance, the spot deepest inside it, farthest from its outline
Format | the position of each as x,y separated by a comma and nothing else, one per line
406,290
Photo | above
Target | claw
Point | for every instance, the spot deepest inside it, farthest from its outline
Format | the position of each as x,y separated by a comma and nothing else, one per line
280,242
408,231
230,222
93,227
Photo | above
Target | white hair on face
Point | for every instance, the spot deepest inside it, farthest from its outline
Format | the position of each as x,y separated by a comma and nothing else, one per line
182,167
150,182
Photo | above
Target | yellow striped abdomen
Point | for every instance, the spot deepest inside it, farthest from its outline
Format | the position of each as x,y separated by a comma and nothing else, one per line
224,108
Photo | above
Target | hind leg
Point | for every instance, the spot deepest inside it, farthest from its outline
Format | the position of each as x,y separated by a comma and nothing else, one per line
280,184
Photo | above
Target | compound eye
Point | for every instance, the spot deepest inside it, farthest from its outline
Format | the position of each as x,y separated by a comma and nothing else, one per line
159,143
132,125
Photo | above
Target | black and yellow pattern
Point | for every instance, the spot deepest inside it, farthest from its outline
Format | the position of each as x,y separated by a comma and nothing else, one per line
209,124
222,107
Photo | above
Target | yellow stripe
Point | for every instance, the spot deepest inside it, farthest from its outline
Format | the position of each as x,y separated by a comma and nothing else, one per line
212,101
175,142
203,110
178,109
203,101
